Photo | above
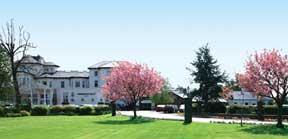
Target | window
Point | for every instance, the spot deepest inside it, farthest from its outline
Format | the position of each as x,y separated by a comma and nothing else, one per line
50,84
235,102
44,82
246,103
95,73
82,99
62,84
96,83
83,84
92,100
72,100
77,84
72,94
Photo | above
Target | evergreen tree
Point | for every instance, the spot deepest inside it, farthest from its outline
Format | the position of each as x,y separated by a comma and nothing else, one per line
207,74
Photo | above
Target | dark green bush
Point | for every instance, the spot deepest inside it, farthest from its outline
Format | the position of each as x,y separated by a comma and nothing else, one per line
69,110
25,107
86,110
24,113
39,111
102,109
237,109
2,112
55,110
11,110
273,110
216,107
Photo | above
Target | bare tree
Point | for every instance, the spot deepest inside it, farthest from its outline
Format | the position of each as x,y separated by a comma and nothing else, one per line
15,44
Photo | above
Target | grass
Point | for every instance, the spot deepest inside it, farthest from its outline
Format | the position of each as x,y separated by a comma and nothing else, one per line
107,127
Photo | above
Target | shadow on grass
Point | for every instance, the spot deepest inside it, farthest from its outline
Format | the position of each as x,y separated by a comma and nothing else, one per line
130,121
266,129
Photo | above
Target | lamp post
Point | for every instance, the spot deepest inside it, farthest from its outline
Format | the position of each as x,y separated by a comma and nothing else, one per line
242,93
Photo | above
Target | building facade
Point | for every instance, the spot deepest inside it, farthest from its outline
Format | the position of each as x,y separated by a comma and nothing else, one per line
246,98
42,84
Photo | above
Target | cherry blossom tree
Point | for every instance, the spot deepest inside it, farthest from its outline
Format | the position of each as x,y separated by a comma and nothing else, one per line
267,75
131,82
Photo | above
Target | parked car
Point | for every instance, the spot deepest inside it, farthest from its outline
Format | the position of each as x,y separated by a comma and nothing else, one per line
170,109
160,108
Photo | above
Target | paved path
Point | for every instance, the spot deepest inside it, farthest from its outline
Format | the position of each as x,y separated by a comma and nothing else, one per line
173,116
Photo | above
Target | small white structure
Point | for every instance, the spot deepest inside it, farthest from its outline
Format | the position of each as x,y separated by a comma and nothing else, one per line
42,84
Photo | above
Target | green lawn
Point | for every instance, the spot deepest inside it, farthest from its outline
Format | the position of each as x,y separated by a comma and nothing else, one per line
102,127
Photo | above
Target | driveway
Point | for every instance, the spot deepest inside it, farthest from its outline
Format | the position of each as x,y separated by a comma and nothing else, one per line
173,116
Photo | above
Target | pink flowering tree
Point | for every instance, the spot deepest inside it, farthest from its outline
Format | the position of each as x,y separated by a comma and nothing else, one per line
131,82
267,75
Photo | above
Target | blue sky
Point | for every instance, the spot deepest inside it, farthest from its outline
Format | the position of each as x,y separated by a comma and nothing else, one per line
162,33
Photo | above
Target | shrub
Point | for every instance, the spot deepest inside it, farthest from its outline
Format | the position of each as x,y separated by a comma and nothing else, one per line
14,115
24,113
103,109
11,110
39,111
2,112
237,109
54,110
273,110
216,107
25,107
86,110
69,110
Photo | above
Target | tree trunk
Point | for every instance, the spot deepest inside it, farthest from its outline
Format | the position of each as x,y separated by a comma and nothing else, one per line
260,109
134,110
15,83
113,108
280,116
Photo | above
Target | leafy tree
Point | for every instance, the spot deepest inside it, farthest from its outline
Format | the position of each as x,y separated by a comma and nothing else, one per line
267,75
4,69
165,96
207,74
5,80
131,82
15,44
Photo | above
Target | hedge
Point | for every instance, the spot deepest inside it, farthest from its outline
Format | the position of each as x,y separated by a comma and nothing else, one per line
102,109
268,109
70,110
86,110
238,109
2,112
39,111
55,110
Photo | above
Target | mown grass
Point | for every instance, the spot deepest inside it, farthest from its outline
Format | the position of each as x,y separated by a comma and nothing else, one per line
107,127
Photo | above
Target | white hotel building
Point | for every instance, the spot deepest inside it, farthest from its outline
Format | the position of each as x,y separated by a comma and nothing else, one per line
42,84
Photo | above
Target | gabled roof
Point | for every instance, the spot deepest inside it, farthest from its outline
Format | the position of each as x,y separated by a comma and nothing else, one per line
66,74
50,64
29,59
104,64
